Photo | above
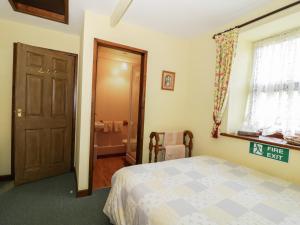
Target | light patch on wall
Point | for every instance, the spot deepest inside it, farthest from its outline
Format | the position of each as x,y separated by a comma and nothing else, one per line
124,66
117,81
115,72
118,77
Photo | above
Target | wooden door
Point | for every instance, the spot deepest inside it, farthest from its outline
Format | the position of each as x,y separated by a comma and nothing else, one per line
43,112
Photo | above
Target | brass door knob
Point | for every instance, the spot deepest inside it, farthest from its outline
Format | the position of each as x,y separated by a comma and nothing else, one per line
19,112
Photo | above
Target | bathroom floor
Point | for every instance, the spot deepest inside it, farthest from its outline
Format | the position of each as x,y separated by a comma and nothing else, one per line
104,168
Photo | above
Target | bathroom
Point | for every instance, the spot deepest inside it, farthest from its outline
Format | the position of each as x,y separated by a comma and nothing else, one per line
116,112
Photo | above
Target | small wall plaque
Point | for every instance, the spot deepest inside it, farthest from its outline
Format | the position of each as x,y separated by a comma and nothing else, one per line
168,80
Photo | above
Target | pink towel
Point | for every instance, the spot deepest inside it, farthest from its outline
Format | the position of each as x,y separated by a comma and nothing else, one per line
174,152
173,138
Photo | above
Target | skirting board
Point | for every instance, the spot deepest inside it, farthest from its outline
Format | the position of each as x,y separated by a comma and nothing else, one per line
81,193
6,177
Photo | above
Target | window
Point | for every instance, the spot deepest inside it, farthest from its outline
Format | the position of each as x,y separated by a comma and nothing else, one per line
274,100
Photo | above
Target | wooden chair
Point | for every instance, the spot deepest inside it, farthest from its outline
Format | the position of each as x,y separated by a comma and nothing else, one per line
156,146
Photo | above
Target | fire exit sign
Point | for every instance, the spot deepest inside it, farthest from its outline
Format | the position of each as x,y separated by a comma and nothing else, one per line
269,151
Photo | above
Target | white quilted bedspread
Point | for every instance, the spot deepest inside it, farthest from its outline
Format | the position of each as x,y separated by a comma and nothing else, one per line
200,191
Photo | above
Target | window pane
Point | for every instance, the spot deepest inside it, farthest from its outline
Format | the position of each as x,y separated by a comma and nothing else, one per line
274,102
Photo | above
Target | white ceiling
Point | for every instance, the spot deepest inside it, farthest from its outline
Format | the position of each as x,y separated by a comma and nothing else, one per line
182,18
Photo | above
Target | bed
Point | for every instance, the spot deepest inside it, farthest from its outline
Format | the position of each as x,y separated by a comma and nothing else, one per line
200,190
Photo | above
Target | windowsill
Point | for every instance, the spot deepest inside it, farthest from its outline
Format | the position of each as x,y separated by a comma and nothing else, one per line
265,140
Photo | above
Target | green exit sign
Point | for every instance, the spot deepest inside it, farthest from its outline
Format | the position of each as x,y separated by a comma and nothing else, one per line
269,151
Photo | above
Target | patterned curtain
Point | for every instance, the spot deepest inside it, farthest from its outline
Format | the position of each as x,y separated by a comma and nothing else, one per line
226,45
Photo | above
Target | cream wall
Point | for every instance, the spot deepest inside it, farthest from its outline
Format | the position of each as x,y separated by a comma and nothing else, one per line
239,84
201,81
17,32
165,110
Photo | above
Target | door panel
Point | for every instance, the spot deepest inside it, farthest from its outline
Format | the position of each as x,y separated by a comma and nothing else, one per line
59,65
43,106
34,95
35,60
32,150
57,145
59,100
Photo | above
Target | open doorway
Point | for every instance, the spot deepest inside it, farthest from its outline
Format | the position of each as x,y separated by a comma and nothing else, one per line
119,81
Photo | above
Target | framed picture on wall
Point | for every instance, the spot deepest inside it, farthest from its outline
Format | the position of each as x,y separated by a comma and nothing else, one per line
168,80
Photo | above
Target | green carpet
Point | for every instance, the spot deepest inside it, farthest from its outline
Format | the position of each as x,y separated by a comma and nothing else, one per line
51,201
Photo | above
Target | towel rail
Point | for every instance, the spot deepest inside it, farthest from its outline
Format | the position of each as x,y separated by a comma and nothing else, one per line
125,122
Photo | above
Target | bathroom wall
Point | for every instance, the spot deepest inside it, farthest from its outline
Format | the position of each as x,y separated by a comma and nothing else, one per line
113,90
112,103
117,99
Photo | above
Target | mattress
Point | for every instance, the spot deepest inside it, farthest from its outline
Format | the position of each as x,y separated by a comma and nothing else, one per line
203,191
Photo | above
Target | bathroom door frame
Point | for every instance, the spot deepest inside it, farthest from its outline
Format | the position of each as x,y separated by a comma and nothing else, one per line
140,134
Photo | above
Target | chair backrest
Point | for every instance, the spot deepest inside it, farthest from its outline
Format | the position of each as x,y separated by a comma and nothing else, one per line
157,141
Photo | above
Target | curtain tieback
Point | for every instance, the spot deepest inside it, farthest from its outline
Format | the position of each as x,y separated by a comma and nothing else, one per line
215,131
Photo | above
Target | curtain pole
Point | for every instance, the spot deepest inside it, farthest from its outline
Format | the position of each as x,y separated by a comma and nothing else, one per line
260,18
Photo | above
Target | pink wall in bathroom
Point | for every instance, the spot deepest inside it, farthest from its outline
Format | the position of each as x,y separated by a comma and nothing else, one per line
113,93
113,90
